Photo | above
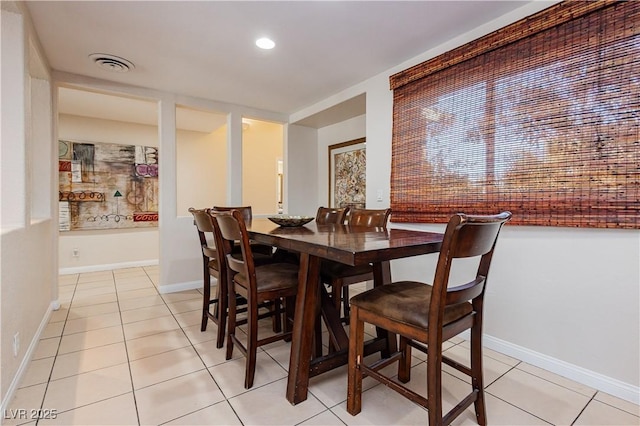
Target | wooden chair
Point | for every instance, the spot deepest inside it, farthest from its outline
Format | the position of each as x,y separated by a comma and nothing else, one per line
339,276
272,282
425,316
259,250
330,215
211,268
211,261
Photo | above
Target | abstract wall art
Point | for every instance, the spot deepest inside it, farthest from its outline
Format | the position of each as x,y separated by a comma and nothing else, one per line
348,174
107,186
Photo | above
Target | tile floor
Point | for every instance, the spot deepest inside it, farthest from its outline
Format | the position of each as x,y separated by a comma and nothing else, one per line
119,353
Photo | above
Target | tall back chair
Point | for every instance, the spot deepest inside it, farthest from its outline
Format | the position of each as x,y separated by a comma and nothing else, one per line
273,282
331,215
262,252
369,217
340,276
428,315
246,211
211,268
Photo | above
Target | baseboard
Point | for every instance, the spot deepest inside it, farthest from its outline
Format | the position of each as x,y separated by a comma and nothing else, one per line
578,374
106,267
26,360
172,288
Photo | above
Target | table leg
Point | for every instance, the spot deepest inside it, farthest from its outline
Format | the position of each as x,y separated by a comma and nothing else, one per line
303,328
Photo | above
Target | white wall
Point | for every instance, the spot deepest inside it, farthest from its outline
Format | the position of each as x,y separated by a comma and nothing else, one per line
564,299
27,232
301,166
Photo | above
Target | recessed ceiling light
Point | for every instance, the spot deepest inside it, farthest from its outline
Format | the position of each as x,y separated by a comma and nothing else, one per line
265,43
111,62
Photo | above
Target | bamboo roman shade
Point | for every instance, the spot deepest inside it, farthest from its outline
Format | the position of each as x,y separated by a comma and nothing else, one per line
541,118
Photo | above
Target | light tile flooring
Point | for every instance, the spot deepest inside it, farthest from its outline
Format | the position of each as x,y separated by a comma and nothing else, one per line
117,352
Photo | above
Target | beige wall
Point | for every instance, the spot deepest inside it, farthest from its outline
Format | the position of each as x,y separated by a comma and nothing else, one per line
201,165
262,147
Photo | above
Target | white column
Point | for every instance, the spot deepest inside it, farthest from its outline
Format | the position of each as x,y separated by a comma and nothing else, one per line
234,158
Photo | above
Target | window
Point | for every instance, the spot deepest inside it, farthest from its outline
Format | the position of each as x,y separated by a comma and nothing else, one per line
546,125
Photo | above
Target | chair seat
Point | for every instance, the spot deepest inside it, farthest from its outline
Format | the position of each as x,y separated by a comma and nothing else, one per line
406,302
274,276
335,270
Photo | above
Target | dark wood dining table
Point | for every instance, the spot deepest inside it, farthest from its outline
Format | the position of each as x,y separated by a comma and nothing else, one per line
348,245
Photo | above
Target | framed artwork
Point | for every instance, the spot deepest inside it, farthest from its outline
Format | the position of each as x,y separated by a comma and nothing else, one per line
107,186
348,174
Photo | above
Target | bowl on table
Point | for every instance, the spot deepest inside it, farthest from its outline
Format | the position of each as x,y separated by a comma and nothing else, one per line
287,220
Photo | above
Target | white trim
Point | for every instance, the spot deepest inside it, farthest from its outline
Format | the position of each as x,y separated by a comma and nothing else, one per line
589,378
172,288
106,267
26,360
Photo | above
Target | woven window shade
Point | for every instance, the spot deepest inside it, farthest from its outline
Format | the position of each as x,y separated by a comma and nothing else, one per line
546,125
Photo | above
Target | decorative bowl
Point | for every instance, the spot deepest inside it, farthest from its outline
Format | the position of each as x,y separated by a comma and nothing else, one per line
286,220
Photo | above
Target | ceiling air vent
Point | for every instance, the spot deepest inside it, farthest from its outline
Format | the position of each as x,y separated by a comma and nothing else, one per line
111,62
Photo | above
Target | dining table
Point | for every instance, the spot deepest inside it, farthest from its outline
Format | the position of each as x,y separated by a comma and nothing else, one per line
350,245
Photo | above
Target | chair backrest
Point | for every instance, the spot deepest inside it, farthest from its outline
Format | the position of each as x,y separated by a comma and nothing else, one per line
204,225
231,228
368,217
331,215
246,211
466,236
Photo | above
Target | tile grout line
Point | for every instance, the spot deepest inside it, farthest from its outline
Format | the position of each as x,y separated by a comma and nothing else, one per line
126,351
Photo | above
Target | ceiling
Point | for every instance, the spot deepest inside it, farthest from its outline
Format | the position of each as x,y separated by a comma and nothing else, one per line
206,49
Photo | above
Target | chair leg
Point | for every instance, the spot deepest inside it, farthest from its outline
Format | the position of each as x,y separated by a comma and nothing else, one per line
317,339
404,366
276,319
231,297
345,303
206,297
336,293
356,356
289,312
434,385
252,344
477,381
336,296
221,312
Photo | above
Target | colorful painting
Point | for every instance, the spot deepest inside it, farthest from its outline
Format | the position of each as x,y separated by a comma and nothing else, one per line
348,174
107,186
